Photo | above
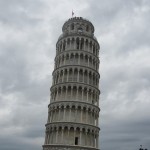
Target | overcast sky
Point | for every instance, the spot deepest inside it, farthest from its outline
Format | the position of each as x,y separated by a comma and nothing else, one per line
29,30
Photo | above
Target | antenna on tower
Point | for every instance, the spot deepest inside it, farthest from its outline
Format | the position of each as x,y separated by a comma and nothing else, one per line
72,13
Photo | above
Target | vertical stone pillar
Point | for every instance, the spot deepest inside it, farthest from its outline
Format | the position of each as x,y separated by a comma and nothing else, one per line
78,75
84,45
87,95
76,109
62,135
82,94
71,91
70,114
66,93
59,113
83,76
86,142
68,135
77,94
67,74
81,114
52,136
81,136
56,135
97,120
97,141
51,116
49,137
64,113
74,134
74,47
57,95
45,137
87,116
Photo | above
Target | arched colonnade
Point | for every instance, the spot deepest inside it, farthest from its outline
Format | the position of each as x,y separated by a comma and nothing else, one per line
76,74
76,58
78,43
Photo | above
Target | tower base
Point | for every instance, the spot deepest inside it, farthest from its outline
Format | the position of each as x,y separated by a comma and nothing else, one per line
67,147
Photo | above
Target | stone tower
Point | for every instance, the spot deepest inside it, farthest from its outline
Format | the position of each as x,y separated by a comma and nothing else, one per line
73,111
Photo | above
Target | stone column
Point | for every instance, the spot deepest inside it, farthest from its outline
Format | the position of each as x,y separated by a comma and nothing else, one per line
51,115
52,136
97,141
74,46
91,118
57,95
86,138
87,115
78,75
48,117
91,96
66,46
49,137
70,44
68,135
45,137
97,100
81,136
83,61
82,94
64,60
70,113
94,118
83,76
97,121
77,94
71,91
59,113
62,136
64,113
56,135
60,95
93,139
90,138
76,113
92,48
74,133
84,45
79,60
67,74
87,46
81,114
80,44
63,75
66,93
87,95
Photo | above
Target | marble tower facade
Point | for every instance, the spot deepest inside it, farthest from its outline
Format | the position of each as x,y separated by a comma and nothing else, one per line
73,111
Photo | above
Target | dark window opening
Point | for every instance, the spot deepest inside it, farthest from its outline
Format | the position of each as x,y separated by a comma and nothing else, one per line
77,42
80,30
63,47
76,140
87,28
72,27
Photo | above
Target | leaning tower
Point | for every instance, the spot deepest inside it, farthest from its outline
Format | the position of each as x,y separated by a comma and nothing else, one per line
73,111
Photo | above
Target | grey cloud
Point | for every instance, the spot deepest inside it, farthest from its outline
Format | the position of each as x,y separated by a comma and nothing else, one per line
20,13
29,31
